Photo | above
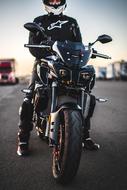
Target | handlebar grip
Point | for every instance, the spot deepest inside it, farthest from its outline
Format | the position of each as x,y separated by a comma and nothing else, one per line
36,46
43,44
96,54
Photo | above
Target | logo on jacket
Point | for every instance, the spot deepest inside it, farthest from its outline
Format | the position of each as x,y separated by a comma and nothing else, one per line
57,24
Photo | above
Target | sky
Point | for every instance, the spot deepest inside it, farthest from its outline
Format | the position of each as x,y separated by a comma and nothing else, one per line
95,17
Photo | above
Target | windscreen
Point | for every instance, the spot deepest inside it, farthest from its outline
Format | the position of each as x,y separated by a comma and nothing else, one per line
73,53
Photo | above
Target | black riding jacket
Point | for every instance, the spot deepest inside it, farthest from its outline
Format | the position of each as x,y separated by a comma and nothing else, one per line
58,28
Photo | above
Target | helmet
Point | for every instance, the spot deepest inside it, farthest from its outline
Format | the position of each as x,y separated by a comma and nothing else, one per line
54,6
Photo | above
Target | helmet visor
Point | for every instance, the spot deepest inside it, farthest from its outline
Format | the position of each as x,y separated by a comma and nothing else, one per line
54,2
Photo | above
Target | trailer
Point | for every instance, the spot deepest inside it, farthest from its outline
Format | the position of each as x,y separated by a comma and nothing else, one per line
123,72
110,74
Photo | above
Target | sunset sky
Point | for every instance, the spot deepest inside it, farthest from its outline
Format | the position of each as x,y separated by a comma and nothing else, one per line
95,17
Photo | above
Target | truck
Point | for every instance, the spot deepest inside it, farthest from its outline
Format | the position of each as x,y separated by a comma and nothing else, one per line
7,71
101,73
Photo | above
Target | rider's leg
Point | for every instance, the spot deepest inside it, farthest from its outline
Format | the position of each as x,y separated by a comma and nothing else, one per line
26,116
87,141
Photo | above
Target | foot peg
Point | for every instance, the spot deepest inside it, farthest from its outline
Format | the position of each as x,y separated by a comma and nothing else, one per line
101,100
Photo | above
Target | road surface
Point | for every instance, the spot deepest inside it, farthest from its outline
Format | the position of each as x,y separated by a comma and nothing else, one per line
105,169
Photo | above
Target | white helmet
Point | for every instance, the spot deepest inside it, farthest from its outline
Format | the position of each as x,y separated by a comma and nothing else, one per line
55,6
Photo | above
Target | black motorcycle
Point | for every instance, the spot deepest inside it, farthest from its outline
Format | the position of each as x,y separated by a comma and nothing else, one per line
61,99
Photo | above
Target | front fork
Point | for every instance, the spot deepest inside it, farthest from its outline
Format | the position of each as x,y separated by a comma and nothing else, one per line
54,118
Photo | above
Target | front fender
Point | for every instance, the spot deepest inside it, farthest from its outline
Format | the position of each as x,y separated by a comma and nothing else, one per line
55,121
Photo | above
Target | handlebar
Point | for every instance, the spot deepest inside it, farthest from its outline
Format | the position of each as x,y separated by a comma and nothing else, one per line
44,44
101,55
48,45
37,46
96,54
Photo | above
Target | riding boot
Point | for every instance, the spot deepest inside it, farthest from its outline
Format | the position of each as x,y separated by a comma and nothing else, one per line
88,143
25,126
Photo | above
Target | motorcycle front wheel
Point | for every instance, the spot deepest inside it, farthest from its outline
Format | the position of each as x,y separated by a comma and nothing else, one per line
67,154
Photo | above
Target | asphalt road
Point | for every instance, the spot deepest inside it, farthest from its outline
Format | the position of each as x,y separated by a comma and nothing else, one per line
105,169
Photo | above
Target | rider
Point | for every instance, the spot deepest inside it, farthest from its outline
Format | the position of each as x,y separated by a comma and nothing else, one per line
57,27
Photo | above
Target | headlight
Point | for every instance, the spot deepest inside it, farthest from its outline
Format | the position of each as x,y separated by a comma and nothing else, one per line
85,76
64,75
63,72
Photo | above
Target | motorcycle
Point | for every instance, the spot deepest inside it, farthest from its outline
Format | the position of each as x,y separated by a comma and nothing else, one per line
66,81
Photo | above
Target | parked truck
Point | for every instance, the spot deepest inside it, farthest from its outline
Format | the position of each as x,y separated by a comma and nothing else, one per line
101,73
7,71
110,73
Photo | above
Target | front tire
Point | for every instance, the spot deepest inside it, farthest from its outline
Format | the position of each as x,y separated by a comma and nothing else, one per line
67,154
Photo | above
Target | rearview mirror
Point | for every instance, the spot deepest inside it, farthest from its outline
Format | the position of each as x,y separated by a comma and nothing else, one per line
104,39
